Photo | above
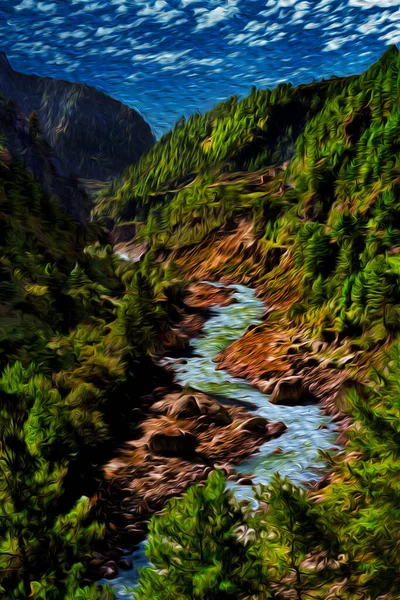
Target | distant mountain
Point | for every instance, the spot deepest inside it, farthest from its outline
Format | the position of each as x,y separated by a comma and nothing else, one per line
91,135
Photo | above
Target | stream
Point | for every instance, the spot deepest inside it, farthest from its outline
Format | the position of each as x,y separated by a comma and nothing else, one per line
298,455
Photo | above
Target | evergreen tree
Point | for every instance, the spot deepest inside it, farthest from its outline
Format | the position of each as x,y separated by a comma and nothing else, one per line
44,533
195,548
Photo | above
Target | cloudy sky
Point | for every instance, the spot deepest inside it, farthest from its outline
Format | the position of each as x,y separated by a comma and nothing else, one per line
172,57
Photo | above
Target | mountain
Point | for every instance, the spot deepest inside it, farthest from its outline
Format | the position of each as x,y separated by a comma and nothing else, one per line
92,135
23,142
303,182
296,192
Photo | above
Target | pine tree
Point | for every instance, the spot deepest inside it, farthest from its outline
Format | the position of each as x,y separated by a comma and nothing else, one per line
195,548
43,533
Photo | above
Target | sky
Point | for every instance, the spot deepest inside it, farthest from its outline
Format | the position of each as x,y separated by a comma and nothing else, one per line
168,58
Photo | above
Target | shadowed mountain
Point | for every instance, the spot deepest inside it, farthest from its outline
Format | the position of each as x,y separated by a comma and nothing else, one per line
92,135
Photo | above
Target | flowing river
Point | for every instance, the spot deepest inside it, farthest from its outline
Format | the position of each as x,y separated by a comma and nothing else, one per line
308,429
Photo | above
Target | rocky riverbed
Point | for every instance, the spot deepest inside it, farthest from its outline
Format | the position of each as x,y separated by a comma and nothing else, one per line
211,420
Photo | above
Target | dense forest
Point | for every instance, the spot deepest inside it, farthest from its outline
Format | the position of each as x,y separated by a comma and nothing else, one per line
76,328
293,191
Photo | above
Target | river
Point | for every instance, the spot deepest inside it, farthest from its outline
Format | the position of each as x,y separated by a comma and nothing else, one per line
308,429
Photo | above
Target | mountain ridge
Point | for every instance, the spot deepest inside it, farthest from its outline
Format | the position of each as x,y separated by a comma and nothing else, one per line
93,136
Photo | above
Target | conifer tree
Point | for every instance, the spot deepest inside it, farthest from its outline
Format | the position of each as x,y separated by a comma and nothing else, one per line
44,533
194,547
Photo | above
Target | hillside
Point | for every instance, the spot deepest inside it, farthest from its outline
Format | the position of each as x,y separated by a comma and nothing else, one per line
312,213
92,135
294,191
76,330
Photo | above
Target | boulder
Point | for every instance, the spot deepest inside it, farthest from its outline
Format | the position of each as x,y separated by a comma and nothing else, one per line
255,425
291,391
109,570
245,481
172,441
276,428
187,406
125,564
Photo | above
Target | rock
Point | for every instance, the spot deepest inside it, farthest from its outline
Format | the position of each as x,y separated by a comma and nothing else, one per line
255,425
125,564
277,451
97,562
109,570
276,428
183,406
245,481
291,391
172,441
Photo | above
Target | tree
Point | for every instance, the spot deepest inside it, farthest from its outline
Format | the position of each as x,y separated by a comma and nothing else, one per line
44,533
195,548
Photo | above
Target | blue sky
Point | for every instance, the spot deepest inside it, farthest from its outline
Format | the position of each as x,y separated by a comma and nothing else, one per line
172,57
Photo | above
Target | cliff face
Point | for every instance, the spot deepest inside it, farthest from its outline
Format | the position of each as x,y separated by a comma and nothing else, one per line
92,135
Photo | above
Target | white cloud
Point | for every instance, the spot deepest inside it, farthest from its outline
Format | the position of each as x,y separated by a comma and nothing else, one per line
211,62
25,4
303,6
80,33
254,26
338,42
50,7
209,18
164,58
185,3
371,24
106,31
366,4
160,11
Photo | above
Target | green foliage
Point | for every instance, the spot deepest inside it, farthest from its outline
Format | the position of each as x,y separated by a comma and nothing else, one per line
43,539
76,329
194,548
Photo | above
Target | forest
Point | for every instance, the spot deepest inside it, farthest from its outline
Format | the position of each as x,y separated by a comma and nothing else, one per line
311,175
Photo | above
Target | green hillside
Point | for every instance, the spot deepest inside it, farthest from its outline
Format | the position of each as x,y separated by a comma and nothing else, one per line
332,213
313,172
76,330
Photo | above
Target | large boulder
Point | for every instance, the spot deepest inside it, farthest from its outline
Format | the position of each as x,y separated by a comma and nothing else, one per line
291,391
172,441
188,406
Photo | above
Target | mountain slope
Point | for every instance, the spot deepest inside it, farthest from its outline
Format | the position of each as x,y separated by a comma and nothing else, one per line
76,330
92,135
323,227
319,238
